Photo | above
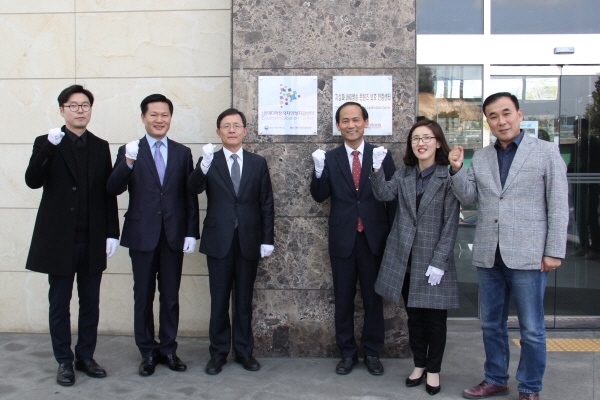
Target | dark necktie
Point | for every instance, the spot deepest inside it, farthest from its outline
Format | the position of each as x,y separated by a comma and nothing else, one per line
356,169
159,161
235,173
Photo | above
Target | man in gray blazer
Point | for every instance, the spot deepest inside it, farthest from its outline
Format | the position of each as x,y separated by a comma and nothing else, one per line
520,184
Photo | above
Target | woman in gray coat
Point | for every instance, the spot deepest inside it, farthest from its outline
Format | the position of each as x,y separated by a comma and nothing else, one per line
418,263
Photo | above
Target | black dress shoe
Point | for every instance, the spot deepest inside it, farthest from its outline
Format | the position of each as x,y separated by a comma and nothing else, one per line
173,362
345,366
415,382
374,366
65,375
214,366
148,366
90,367
432,390
249,363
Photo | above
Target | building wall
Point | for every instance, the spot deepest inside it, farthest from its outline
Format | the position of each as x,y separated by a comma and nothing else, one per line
122,51
191,52
294,293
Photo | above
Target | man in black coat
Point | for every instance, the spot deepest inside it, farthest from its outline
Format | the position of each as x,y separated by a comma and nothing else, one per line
358,228
161,223
238,230
76,229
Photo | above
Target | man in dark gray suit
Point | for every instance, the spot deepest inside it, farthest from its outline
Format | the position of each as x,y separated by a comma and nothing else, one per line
238,230
520,184
76,229
161,223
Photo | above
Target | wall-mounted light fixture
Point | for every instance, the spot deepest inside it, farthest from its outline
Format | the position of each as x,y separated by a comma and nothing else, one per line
564,50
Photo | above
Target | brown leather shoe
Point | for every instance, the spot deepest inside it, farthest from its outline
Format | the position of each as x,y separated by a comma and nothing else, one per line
485,390
529,396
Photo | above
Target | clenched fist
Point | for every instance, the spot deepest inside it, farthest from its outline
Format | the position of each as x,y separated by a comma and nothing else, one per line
378,156
55,135
456,157
131,151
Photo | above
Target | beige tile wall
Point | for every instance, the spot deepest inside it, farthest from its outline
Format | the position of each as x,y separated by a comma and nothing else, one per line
122,51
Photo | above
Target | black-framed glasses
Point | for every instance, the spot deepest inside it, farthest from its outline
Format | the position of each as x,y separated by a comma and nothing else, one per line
425,139
237,127
75,107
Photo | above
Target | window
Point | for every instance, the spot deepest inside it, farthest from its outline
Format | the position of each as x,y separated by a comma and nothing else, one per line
449,17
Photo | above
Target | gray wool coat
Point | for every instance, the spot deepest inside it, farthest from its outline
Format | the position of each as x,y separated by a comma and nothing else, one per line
430,233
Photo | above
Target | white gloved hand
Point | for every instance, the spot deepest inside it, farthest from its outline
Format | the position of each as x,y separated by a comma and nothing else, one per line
434,274
378,156
55,135
319,159
208,153
131,149
189,245
266,250
111,247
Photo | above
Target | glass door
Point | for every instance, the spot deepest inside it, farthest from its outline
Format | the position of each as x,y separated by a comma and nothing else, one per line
562,105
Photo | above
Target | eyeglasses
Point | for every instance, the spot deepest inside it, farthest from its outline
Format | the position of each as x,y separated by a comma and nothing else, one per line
425,139
75,107
227,127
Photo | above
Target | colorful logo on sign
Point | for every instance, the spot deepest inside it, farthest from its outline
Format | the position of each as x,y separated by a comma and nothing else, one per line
287,96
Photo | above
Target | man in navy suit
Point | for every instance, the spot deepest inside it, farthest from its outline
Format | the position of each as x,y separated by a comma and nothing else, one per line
161,223
238,230
358,228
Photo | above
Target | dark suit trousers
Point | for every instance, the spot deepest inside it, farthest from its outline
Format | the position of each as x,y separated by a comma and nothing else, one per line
426,333
224,274
362,265
59,296
164,265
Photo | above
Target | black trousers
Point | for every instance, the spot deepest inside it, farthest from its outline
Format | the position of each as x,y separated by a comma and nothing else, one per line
164,265
232,272
362,266
426,333
59,296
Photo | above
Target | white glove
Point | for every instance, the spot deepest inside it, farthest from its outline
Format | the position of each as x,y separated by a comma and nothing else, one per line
111,247
131,149
189,245
208,153
266,250
378,156
435,275
319,159
55,135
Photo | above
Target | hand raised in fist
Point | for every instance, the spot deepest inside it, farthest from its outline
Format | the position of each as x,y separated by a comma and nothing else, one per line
456,157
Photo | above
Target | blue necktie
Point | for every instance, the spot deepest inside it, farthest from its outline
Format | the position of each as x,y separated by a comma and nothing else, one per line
159,161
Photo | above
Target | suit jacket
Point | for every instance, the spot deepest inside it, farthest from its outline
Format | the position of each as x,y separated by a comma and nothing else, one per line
252,207
54,169
152,205
528,217
428,233
347,203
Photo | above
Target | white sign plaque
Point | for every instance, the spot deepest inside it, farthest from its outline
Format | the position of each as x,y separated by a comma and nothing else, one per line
374,93
287,105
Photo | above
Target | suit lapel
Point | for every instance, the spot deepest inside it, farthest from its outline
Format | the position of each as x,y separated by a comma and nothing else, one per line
409,189
67,154
520,156
221,164
343,162
145,153
435,182
493,165
247,166
367,164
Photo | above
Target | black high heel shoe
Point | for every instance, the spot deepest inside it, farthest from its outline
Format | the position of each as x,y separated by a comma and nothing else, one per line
415,382
432,390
